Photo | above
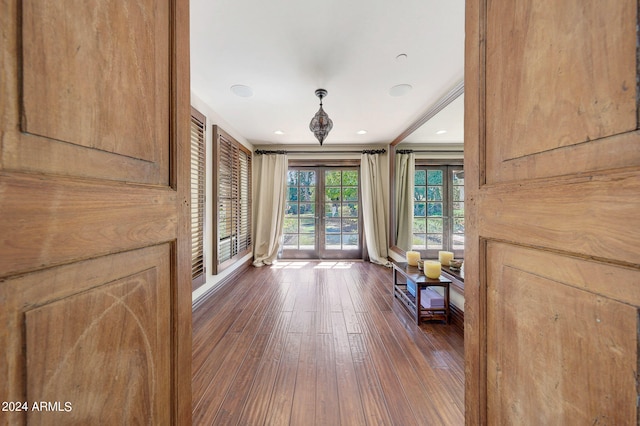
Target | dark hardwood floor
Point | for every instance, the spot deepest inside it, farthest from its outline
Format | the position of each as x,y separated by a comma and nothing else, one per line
323,343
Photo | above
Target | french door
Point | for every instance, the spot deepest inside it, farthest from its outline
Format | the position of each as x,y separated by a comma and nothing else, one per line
323,217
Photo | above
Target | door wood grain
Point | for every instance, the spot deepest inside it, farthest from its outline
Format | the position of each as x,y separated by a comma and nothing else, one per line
552,164
95,288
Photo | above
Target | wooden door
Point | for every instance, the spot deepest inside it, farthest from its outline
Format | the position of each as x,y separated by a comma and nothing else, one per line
95,288
552,163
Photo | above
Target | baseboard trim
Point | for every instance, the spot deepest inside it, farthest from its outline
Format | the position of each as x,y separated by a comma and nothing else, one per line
223,283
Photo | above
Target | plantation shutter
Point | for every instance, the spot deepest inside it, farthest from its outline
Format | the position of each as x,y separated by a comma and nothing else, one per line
198,179
225,200
233,234
244,202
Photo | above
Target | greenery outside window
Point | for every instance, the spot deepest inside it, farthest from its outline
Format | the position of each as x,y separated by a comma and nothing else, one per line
323,212
438,212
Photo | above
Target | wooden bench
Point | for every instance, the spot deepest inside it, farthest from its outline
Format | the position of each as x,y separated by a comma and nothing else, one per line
413,303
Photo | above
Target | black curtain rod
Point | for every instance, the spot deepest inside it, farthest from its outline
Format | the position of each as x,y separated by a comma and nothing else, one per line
431,151
282,151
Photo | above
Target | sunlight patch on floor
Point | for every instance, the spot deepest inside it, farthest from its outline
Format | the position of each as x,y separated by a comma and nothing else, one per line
333,265
288,265
298,264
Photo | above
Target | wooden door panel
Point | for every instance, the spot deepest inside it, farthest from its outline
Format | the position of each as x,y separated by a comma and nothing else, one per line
99,101
112,104
594,215
95,254
63,220
36,154
552,177
91,335
557,76
553,344
606,280
613,152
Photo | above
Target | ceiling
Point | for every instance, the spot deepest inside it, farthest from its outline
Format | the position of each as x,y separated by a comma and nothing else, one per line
358,50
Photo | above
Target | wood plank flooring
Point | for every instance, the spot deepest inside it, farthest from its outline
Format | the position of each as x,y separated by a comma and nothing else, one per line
324,343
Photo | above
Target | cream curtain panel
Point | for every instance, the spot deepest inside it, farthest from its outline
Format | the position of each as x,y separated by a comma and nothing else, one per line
405,174
373,214
269,213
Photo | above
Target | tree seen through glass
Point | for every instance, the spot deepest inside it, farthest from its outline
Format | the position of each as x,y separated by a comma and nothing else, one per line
340,205
438,214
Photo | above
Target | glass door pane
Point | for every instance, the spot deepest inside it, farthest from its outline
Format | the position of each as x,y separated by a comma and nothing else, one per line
326,225
342,225
457,180
428,217
300,230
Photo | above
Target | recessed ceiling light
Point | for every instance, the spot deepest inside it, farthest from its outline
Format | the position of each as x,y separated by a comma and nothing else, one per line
400,90
361,132
441,132
279,132
242,90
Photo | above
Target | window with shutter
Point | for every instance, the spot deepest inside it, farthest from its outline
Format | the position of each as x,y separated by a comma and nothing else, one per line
198,201
233,194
